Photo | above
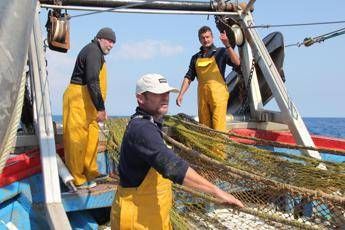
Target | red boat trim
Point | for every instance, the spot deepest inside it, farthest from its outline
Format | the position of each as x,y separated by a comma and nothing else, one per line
23,166
287,138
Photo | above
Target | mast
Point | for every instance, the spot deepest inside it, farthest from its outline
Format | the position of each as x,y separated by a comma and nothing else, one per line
218,7
135,4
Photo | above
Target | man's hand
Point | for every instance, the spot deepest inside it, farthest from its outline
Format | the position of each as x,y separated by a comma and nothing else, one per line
101,116
225,198
179,100
224,38
195,181
235,59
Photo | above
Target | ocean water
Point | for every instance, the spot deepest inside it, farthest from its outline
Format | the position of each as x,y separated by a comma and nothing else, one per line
331,127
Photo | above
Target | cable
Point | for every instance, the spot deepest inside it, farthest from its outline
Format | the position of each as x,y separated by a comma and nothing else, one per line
310,41
110,9
297,24
335,31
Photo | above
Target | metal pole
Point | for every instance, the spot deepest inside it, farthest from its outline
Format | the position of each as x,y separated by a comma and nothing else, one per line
139,11
138,4
289,111
56,214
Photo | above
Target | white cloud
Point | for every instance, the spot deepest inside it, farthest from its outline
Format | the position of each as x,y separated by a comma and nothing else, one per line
145,50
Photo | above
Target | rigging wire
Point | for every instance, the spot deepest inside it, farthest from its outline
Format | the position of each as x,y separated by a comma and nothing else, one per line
298,24
111,9
308,41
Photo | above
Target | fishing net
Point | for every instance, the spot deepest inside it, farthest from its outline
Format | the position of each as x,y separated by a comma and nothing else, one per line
278,190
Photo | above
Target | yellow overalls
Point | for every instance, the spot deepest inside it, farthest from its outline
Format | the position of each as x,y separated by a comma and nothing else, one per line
213,94
145,207
80,130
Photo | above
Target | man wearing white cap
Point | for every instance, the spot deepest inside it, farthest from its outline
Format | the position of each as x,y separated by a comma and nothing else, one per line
148,167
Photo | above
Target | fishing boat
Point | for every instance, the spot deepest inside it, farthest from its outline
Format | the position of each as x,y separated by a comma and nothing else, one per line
37,191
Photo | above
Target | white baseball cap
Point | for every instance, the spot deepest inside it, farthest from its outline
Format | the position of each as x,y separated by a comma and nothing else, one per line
154,83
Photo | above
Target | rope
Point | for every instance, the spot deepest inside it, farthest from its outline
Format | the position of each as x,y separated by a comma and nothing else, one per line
298,24
286,187
244,209
271,197
266,142
11,133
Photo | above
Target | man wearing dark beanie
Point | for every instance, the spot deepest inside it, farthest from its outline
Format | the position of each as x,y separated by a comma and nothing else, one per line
83,108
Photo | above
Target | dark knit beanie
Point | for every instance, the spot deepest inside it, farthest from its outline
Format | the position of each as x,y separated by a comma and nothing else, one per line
107,33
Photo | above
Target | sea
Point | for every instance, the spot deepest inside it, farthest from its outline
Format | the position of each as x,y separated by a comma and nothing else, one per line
325,126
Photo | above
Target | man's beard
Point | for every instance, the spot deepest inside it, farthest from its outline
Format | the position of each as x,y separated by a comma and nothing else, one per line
105,51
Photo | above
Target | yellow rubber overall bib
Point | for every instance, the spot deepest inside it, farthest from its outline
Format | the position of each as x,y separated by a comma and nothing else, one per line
213,94
145,207
80,130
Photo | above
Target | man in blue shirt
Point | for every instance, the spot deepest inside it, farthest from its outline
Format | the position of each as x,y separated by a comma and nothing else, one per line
148,167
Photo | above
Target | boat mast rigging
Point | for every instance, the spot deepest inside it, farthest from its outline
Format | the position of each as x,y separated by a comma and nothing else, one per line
308,41
148,7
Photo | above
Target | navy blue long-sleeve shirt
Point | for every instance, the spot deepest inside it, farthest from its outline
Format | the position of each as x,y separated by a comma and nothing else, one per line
142,148
222,59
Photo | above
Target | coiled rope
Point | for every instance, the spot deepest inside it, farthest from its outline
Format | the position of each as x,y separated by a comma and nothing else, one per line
11,134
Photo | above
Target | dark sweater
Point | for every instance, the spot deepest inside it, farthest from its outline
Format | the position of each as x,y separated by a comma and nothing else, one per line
86,71
142,148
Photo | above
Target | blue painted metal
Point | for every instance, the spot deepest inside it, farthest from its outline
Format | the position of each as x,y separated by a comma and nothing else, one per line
19,217
21,208
22,202
98,197
9,192
82,220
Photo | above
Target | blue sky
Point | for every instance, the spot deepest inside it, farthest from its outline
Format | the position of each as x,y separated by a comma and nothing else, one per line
164,44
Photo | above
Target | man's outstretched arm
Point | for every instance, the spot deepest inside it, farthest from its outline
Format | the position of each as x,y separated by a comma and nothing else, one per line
193,180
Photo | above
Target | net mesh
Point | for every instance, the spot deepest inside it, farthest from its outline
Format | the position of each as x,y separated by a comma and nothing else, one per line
278,190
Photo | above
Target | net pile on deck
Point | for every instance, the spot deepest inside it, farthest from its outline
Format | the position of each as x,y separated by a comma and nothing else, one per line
279,190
